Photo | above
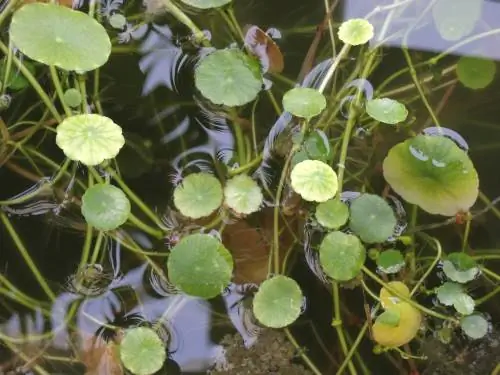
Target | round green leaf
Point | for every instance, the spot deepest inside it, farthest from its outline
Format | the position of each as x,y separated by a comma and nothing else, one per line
341,256
332,214
390,261
476,73
390,317
314,180
243,195
386,110
199,265
57,35
455,19
475,326
117,21
460,267
464,304
278,302
228,77
433,173
304,102
199,195
142,351
89,138
105,207
72,97
356,31
449,292
206,4
372,219
16,80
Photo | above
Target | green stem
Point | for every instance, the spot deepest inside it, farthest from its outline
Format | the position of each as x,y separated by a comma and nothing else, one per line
59,90
8,8
97,247
488,296
7,69
86,246
301,352
145,228
490,273
439,252
353,349
186,21
465,240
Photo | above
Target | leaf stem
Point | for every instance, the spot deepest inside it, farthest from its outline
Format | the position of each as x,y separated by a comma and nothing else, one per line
57,84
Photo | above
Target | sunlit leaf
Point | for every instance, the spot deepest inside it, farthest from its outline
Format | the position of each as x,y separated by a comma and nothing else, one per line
475,326
371,218
390,261
89,138
105,206
199,195
199,265
263,46
72,97
228,77
304,102
341,256
278,302
455,19
243,195
449,292
386,110
460,267
464,304
117,21
332,214
476,73
433,173
394,336
390,317
388,299
56,35
206,4
142,351
314,180
355,31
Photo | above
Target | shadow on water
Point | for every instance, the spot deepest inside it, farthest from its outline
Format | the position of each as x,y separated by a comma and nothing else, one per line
171,131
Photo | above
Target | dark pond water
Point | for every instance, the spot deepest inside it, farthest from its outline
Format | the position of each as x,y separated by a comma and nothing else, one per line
148,88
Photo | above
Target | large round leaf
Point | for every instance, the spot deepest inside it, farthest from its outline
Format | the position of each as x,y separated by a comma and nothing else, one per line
278,302
89,138
434,173
341,256
206,4
243,195
476,73
199,265
57,35
105,207
455,19
355,31
314,180
386,110
142,351
199,195
304,102
372,219
228,77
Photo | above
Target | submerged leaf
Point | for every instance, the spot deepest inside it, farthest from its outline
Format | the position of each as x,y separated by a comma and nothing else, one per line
386,110
434,173
206,4
332,214
55,35
278,302
243,195
142,351
455,19
199,195
304,102
314,180
355,31
474,326
476,73
390,261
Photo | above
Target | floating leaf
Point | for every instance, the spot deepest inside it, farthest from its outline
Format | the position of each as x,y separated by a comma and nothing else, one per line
476,73
304,102
475,326
390,261
243,195
314,180
206,4
56,35
434,173
455,19
199,265
266,50
199,195
228,77
142,351
105,206
386,110
89,138
388,299
355,31
371,218
407,328
464,304
278,302
16,80
341,256
449,292
72,97
117,21
460,267
332,214
390,317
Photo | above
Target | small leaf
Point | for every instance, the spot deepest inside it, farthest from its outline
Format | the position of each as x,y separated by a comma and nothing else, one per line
117,21
371,218
243,195
267,51
228,77
105,206
390,261
387,110
72,97
390,317
355,31
304,102
314,180
206,4
59,36
317,146
460,267
388,299
464,304
199,195
89,138
142,351
199,265
332,214
395,336
342,256
476,73
455,19
475,326
278,302
449,292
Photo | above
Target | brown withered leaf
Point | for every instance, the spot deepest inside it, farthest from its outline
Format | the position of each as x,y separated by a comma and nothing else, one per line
265,48
100,357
